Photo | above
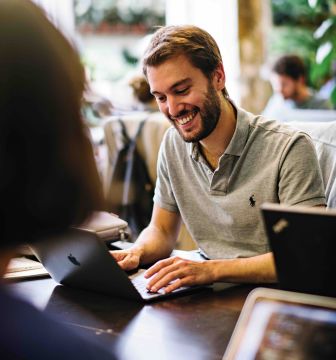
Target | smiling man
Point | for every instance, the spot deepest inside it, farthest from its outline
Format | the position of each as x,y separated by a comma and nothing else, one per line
217,164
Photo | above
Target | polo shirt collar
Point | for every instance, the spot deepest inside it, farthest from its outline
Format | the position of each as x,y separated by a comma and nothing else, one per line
240,135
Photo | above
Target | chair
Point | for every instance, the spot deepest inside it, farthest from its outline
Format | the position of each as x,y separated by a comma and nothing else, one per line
307,115
323,135
148,144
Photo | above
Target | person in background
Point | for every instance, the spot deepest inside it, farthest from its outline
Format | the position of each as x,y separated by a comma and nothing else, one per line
142,94
217,164
288,80
48,179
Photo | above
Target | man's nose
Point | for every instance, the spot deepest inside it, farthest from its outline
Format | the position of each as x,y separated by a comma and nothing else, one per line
174,106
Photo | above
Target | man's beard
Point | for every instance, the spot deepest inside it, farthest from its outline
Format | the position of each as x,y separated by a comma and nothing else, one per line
209,116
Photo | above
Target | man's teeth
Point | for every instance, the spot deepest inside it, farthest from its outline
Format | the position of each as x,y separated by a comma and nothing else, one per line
184,120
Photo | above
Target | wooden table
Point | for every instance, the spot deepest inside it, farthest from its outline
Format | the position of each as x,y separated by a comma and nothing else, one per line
196,326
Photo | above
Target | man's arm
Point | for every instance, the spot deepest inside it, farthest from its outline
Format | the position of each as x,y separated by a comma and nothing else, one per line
181,272
155,242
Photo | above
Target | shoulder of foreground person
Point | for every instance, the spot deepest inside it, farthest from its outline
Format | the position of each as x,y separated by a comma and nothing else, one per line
28,333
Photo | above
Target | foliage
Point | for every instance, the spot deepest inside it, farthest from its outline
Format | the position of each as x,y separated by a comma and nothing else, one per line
284,41
325,59
296,13
147,13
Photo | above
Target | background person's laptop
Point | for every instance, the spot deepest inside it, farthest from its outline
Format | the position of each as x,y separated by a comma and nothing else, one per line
303,241
79,259
277,324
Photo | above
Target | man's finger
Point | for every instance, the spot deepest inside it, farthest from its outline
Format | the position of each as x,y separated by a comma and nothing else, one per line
158,266
127,263
177,284
168,270
162,281
118,256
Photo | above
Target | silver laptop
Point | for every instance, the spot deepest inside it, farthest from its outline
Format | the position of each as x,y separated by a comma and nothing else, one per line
277,324
303,241
79,259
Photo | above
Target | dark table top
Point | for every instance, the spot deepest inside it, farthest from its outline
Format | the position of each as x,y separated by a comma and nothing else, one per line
196,326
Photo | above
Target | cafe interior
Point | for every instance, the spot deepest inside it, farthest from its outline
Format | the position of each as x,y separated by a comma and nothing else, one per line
68,276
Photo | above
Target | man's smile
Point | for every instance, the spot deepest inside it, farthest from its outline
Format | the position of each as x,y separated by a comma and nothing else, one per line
185,118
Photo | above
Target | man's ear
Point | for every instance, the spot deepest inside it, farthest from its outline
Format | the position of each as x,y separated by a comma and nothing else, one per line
219,77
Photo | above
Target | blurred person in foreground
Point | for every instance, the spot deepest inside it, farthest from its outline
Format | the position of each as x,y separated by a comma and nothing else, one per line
48,176
288,80
217,164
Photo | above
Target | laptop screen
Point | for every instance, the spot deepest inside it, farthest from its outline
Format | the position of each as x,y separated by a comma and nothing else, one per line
283,325
302,240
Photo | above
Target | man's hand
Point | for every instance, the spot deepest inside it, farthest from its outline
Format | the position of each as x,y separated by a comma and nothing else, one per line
155,242
126,259
175,272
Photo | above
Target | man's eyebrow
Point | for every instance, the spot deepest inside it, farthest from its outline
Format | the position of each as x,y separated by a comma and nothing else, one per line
185,81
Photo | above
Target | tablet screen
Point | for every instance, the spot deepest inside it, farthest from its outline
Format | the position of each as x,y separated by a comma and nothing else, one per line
287,330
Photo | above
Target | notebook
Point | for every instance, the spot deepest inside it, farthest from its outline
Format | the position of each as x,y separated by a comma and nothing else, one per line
80,259
24,268
277,324
303,241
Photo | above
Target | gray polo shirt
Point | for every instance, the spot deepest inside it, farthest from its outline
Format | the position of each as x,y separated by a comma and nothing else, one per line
264,162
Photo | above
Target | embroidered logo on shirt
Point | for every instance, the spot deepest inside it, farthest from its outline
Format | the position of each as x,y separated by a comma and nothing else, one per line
252,200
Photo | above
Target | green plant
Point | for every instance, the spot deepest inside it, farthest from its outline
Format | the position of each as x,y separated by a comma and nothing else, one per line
325,34
296,13
113,12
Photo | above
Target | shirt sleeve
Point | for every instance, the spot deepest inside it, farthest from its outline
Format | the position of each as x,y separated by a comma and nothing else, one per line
164,195
300,180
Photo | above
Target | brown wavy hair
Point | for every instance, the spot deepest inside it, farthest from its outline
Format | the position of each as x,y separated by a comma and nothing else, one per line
196,44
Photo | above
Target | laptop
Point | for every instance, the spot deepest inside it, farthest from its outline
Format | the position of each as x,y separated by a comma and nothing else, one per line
277,324
78,258
303,241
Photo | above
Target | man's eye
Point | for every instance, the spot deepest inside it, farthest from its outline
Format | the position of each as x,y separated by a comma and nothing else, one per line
160,98
182,91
